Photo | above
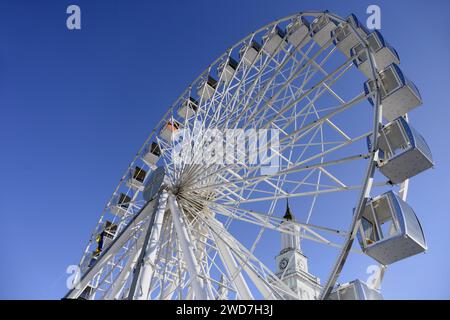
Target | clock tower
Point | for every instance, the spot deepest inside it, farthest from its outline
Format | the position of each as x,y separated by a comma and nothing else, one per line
292,264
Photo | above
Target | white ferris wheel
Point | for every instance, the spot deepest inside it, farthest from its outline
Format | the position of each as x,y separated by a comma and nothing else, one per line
333,95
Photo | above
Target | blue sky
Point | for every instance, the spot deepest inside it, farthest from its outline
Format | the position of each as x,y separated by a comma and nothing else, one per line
77,105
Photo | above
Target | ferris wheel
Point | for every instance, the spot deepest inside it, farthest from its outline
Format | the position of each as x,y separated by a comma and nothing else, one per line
199,215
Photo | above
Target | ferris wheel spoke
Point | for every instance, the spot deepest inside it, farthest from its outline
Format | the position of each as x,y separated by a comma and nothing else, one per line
327,87
267,181
266,282
306,194
234,273
241,83
105,278
269,213
272,223
269,87
181,271
168,291
268,84
332,177
304,94
166,275
115,291
206,246
169,276
145,269
188,250
286,84
130,291
295,100
279,153
262,217
163,275
301,94
240,283
300,133
296,168
167,268
300,166
125,273
319,175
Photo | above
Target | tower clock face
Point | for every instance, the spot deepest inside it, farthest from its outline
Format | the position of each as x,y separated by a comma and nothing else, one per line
283,263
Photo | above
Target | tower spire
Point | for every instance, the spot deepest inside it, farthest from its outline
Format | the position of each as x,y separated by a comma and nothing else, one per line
289,241
288,214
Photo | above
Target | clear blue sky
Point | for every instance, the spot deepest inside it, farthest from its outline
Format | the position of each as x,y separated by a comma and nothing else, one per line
77,105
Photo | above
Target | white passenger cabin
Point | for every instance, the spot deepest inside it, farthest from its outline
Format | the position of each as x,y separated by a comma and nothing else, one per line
398,94
250,53
383,53
345,38
207,88
321,29
390,230
169,130
121,205
355,290
108,233
136,178
188,108
298,32
274,41
152,154
404,153
227,70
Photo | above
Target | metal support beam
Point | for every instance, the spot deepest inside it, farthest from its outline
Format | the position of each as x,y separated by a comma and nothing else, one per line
187,248
231,244
140,287
115,246
116,290
233,272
